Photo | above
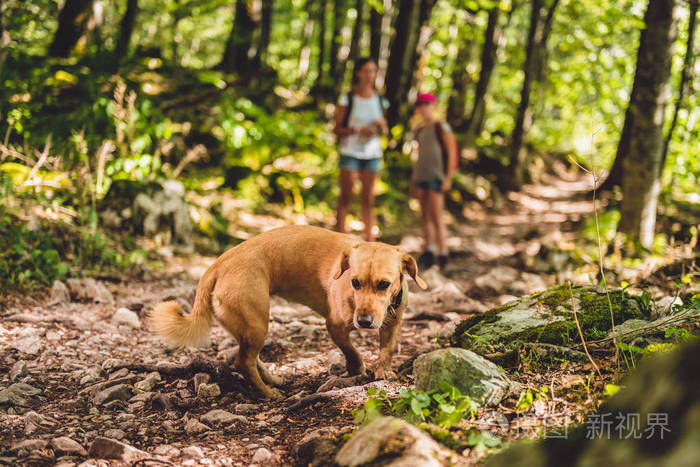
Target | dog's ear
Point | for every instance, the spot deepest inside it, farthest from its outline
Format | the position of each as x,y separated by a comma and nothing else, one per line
343,264
410,267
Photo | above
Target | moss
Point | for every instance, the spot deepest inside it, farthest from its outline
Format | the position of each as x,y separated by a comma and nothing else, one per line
459,339
593,312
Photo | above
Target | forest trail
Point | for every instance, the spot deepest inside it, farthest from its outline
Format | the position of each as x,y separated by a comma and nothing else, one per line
80,358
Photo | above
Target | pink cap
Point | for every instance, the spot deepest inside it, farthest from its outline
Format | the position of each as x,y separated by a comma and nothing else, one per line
425,97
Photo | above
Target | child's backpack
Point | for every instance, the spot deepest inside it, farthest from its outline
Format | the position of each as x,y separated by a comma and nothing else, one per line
440,133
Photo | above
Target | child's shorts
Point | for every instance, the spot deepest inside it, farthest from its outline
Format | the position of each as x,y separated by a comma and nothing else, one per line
435,185
353,163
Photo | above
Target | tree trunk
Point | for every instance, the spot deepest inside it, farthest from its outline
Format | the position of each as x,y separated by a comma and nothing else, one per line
340,13
457,101
685,85
318,90
72,24
353,53
375,33
125,29
641,164
356,32
265,29
305,53
535,61
4,40
492,37
239,55
412,15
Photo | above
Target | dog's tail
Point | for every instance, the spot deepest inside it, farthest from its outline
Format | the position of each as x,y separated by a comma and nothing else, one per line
168,321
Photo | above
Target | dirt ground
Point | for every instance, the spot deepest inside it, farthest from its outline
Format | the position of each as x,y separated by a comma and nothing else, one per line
75,350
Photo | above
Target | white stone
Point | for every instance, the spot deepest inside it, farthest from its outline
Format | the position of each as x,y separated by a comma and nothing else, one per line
126,316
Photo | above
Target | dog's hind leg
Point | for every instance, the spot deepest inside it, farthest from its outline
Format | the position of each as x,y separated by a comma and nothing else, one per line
246,317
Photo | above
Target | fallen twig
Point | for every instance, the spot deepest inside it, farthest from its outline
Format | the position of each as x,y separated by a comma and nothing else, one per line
580,333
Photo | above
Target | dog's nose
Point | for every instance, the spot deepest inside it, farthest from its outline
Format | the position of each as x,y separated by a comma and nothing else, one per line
365,321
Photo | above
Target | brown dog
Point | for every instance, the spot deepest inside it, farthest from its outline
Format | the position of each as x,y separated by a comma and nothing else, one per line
351,284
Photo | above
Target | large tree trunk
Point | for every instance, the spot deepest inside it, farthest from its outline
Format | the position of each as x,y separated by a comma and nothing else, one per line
641,164
457,101
412,15
685,85
340,14
317,90
265,29
375,33
125,29
353,53
72,24
4,39
492,38
535,61
239,55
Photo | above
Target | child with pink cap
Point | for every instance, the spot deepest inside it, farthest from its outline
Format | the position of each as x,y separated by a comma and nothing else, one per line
432,177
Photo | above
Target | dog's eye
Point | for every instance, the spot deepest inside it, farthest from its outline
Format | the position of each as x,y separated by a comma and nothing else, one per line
356,284
383,285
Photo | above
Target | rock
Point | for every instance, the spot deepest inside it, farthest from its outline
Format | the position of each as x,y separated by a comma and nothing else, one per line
199,379
391,441
246,408
106,448
89,289
664,306
127,317
629,325
120,392
471,374
546,317
166,450
262,456
336,362
208,390
30,345
193,452
313,445
222,417
67,446
194,427
59,293
114,433
18,370
148,382
30,445
653,420
18,394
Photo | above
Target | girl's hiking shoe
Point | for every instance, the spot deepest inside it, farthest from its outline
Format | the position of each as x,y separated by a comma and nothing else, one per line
442,260
426,260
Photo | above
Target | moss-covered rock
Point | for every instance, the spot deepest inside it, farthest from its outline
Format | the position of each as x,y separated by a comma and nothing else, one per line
547,317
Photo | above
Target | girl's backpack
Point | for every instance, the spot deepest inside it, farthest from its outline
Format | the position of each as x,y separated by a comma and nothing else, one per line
440,133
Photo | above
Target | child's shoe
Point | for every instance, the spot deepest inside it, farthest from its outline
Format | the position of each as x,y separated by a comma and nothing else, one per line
426,260
442,260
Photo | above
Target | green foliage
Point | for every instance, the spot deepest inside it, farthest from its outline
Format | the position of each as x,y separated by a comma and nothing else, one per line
529,396
445,406
41,251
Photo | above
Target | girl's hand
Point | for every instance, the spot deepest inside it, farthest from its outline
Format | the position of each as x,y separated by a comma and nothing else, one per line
446,184
367,131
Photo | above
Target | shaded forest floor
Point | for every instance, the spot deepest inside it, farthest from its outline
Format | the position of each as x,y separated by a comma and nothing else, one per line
76,350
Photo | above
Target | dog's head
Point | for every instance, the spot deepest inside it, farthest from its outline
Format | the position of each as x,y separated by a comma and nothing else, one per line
376,273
